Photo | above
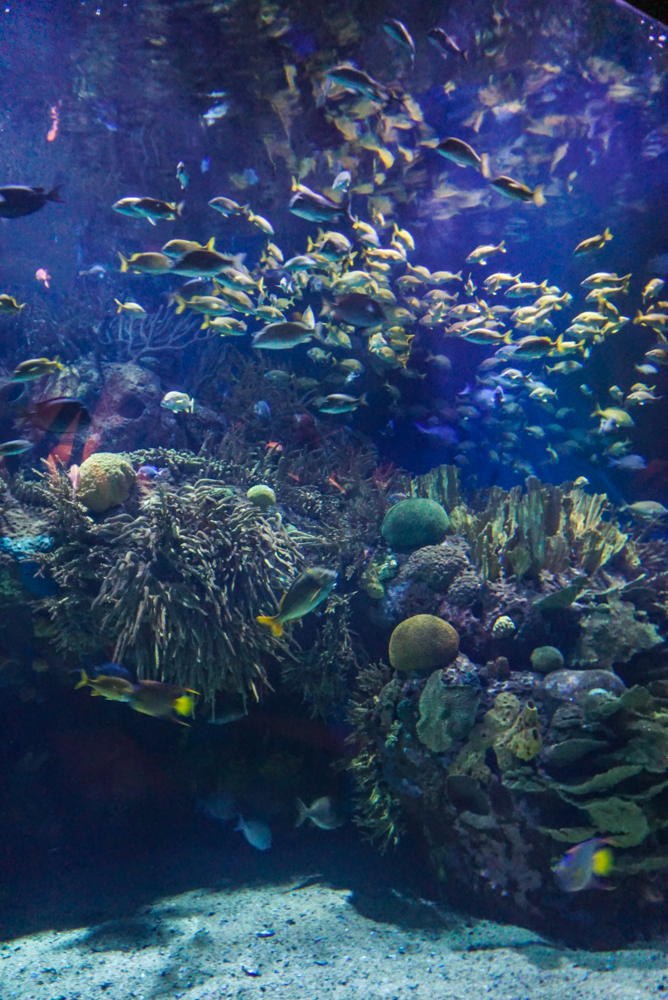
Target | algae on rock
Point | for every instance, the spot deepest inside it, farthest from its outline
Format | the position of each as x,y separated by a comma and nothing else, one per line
447,712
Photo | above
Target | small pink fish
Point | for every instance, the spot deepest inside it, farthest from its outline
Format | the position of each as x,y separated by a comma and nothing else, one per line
73,474
43,275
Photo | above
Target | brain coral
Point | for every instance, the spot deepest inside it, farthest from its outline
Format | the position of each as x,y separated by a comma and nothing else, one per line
413,523
435,565
105,479
423,642
545,659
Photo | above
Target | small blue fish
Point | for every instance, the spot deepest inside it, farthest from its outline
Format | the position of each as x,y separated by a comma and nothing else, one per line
182,175
257,834
580,867
442,432
262,409
342,181
629,463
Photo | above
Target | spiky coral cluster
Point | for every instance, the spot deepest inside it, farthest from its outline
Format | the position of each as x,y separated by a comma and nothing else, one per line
323,673
378,811
178,586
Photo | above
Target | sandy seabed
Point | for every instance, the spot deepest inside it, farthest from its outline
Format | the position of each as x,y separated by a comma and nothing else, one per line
304,939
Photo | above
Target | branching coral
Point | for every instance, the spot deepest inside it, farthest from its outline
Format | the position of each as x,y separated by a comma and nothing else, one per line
130,337
323,674
378,811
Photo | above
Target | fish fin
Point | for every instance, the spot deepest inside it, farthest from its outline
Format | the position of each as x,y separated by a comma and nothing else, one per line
54,194
211,244
125,264
181,307
85,680
276,627
302,813
538,196
484,165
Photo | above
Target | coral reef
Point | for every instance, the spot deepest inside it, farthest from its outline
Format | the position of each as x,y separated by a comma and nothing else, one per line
105,481
422,643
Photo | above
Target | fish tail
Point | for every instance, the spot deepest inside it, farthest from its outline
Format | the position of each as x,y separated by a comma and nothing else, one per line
502,246
539,197
85,680
120,306
185,704
207,322
181,304
638,318
508,337
362,400
484,165
179,208
125,264
607,235
302,813
276,627
54,194
191,408
210,244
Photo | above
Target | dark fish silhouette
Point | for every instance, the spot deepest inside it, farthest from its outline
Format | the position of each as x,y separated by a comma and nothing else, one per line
17,200
57,415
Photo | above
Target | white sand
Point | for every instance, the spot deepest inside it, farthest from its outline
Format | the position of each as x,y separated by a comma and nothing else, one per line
203,944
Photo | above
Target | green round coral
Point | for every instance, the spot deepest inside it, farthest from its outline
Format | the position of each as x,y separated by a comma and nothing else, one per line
261,496
423,642
105,480
545,659
410,524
